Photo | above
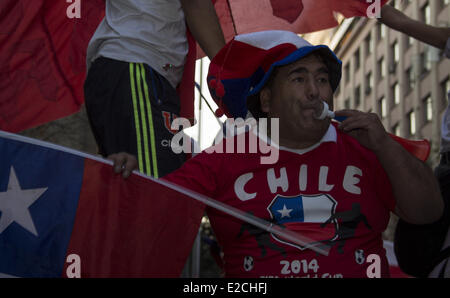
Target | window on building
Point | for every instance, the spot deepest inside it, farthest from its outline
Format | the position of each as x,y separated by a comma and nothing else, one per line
445,87
357,59
369,83
425,62
396,93
426,13
347,73
410,79
395,57
369,45
407,40
428,108
347,103
357,96
381,31
396,129
396,49
412,123
381,68
383,107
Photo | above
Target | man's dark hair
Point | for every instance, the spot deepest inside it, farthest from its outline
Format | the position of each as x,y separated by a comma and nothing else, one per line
254,106
254,102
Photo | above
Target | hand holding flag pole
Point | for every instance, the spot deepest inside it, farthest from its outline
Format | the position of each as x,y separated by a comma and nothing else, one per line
124,163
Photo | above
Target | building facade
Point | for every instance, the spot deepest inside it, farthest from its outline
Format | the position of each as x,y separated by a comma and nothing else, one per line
402,80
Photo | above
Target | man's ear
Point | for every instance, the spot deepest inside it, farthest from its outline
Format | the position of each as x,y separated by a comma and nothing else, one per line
264,99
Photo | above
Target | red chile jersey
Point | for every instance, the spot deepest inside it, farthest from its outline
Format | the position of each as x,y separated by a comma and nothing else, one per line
336,194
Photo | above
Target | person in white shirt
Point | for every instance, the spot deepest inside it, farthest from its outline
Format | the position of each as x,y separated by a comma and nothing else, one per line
135,63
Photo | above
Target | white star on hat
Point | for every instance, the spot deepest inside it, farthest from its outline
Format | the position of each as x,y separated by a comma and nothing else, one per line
14,204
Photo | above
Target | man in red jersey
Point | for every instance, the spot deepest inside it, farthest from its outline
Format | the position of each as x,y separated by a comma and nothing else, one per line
333,183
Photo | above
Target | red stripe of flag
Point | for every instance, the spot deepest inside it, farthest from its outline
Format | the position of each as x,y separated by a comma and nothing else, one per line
131,228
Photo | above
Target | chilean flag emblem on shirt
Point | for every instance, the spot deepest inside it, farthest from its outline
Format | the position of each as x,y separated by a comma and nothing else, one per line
308,214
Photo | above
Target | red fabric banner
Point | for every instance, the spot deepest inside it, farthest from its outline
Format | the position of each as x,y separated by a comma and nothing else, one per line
301,16
43,51
42,60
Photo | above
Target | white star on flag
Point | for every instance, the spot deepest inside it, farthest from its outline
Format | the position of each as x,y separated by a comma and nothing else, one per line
285,212
14,204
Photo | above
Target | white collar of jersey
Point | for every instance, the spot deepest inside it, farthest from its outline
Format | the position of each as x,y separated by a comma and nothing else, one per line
329,136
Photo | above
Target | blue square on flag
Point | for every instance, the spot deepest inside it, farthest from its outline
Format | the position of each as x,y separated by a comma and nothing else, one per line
39,192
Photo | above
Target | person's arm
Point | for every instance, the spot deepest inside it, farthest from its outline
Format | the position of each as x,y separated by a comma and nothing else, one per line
196,174
204,25
415,188
395,19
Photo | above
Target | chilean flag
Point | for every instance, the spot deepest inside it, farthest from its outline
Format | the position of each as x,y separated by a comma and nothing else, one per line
56,202
308,214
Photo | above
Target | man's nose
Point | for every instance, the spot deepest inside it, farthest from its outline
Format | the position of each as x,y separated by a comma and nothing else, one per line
312,89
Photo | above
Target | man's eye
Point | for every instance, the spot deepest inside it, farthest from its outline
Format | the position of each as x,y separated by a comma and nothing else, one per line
322,80
299,79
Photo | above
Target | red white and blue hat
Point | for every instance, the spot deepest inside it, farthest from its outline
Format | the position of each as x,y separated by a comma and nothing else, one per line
244,65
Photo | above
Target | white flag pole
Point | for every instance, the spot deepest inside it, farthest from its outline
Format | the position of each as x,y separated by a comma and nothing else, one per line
278,230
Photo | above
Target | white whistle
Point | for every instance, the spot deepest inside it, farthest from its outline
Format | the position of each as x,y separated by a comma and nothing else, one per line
326,112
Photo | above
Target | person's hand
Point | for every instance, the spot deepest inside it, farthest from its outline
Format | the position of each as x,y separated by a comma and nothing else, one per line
366,128
124,163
